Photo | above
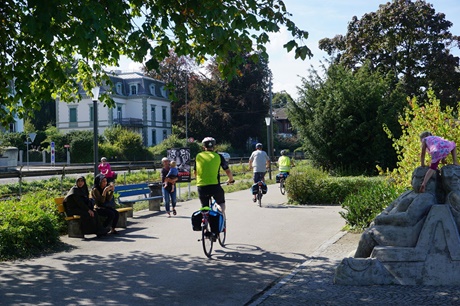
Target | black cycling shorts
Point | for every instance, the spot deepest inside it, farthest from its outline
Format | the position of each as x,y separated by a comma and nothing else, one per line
205,192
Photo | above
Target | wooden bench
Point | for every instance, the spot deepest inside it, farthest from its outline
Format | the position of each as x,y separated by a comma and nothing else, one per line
73,222
130,194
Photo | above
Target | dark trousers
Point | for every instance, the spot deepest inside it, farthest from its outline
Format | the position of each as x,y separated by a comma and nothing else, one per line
111,215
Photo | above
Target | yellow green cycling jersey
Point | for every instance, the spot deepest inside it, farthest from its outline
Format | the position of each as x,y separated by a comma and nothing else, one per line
284,164
207,164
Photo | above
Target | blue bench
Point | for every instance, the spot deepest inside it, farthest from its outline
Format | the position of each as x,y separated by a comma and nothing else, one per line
130,194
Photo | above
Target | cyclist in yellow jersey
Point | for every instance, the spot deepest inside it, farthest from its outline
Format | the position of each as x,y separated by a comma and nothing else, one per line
284,162
207,165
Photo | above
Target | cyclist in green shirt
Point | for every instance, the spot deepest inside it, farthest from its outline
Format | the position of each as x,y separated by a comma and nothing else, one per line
284,162
207,165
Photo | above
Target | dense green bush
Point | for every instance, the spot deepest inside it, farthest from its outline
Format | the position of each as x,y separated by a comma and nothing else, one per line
362,207
81,147
316,187
28,227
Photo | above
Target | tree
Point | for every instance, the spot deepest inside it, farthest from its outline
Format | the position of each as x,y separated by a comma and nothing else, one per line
57,49
175,72
408,39
281,99
340,119
230,111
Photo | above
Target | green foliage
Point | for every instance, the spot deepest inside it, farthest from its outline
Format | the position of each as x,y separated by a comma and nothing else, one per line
77,44
309,185
340,118
362,207
111,152
281,99
13,140
81,146
28,227
414,121
408,39
125,144
230,110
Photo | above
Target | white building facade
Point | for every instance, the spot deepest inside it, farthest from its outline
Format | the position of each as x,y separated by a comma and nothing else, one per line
141,105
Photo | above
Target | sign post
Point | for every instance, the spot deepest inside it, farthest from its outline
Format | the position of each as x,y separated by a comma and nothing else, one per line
52,154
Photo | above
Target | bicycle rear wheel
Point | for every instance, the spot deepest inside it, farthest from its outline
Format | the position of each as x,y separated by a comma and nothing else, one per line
207,239
223,235
283,191
259,196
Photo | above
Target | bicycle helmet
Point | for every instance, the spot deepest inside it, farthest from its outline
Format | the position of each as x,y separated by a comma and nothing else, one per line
259,146
283,152
209,142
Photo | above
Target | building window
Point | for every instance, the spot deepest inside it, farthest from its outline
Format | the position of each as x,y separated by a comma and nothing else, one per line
133,89
163,113
91,114
12,128
165,134
119,88
154,137
153,115
152,89
119,114
73,117
163,91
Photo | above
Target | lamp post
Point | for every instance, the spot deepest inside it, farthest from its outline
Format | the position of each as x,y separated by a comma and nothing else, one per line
31,136
95,94
268,122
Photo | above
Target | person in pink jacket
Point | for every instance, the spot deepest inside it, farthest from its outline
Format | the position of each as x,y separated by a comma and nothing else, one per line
104,168
438,148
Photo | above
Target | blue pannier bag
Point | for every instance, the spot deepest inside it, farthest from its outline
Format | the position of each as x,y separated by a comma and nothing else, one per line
255,188
280,175
216,220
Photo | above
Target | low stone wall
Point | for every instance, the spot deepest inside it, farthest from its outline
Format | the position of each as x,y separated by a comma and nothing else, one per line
9,159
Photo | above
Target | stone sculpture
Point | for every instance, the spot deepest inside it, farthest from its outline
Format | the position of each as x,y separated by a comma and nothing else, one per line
431,253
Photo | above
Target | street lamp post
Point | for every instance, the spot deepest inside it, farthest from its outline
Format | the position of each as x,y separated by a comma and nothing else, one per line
268,122
95,94
30,136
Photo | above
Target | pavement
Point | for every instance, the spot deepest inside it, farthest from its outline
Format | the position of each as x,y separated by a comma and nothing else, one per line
157,262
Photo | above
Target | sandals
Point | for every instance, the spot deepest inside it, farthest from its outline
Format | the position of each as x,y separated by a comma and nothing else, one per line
174,212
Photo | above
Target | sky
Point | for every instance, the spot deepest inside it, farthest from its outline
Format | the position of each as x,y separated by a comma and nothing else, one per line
320,18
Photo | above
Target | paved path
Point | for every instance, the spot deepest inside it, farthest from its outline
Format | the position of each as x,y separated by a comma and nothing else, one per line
159,261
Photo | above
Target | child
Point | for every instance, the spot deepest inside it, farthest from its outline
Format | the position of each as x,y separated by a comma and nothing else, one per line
439,149
172,174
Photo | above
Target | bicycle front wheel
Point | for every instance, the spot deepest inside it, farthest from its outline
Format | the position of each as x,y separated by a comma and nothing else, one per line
207,239
223,235
283,191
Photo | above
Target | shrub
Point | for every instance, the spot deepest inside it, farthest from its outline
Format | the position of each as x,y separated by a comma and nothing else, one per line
313,186
362,207
28,227
81,146
416,119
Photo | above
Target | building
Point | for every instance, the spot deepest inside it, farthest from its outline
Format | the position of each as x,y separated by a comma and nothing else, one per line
141,105
283,123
